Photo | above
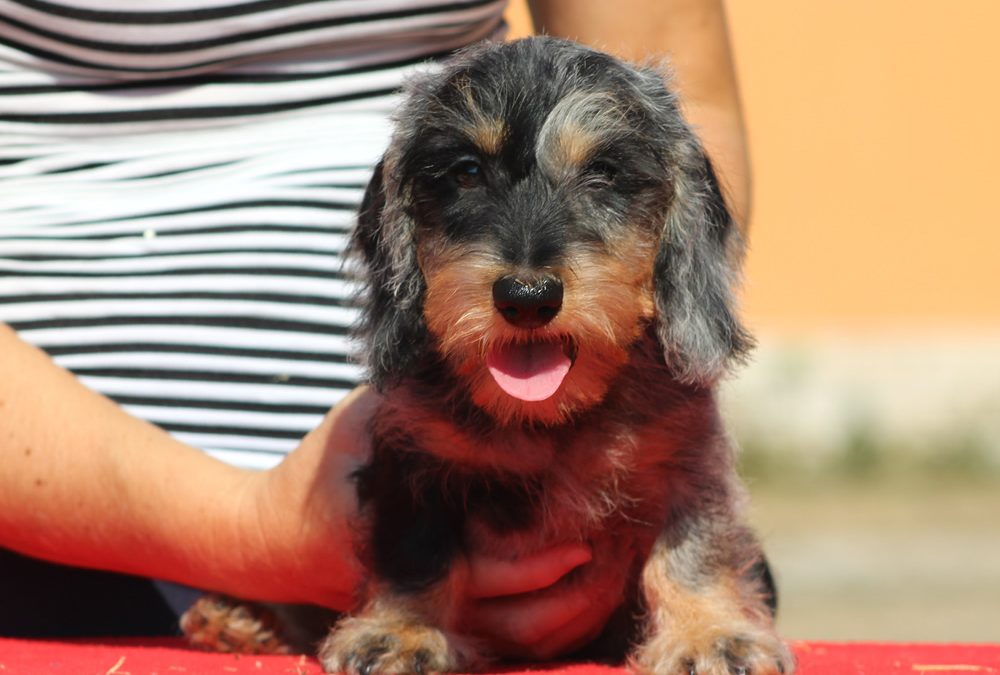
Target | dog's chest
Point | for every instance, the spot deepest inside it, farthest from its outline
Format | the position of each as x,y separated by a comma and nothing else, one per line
436,488
560,490
596,482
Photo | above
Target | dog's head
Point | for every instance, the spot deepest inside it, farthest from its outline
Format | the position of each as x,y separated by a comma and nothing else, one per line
541,205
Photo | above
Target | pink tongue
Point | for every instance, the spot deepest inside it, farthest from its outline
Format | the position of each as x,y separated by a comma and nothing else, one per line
530,371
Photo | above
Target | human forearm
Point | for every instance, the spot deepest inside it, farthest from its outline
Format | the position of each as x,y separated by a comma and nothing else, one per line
84,483
694,36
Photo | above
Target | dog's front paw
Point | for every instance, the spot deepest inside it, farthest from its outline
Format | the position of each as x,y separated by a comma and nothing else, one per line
373,646
736,648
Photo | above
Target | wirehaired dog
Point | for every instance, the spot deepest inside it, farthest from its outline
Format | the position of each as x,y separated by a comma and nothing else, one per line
550,269
549,308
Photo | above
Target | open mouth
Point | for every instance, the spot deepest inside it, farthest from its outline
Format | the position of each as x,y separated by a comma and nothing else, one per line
533,370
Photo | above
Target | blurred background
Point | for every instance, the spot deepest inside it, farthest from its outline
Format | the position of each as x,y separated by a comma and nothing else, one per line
870,415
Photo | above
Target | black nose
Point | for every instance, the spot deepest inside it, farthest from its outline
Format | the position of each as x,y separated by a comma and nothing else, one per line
528,304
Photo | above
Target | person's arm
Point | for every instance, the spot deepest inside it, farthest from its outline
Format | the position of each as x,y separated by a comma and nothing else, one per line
693,35
84,483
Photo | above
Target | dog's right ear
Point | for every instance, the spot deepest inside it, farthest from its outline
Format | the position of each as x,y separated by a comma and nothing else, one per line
392,323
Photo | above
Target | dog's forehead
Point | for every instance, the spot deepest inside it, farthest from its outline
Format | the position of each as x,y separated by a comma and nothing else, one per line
561,101
580,125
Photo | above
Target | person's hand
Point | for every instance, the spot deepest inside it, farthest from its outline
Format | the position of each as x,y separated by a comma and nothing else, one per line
528,608
305,506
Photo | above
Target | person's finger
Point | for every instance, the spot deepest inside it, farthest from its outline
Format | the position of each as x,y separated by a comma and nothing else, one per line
579,630
493,578
548,623
516,624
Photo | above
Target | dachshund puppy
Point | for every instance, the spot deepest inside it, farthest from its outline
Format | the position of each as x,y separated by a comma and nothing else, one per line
548,309
550,268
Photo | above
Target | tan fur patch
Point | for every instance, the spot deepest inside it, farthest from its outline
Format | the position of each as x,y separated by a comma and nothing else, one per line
574,146
713,630
403,633
576,128
487,132
386,643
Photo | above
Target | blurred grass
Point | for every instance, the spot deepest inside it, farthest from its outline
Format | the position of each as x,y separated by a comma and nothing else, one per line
881,543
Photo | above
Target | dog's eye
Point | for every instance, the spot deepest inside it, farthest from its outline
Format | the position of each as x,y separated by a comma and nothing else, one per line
467,173
601,172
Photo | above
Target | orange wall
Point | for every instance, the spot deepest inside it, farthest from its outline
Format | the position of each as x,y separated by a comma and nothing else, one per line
875,137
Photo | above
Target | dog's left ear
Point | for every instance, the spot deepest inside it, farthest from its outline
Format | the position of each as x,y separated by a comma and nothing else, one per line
696,268
392,322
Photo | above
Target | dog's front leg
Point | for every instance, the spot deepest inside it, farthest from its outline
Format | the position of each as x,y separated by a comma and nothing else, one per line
708,604
416,572
395,633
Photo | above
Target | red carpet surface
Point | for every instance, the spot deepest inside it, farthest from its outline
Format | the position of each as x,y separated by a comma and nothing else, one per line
170,657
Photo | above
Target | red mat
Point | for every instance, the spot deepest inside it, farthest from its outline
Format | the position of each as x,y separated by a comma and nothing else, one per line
170,657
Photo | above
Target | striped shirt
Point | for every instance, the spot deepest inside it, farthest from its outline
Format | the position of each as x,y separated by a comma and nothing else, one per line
177,185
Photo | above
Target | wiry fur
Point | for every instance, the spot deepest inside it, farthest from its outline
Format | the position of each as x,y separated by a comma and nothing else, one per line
591,177
543,158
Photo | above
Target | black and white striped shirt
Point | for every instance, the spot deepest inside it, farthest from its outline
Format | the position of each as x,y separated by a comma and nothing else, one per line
177,184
